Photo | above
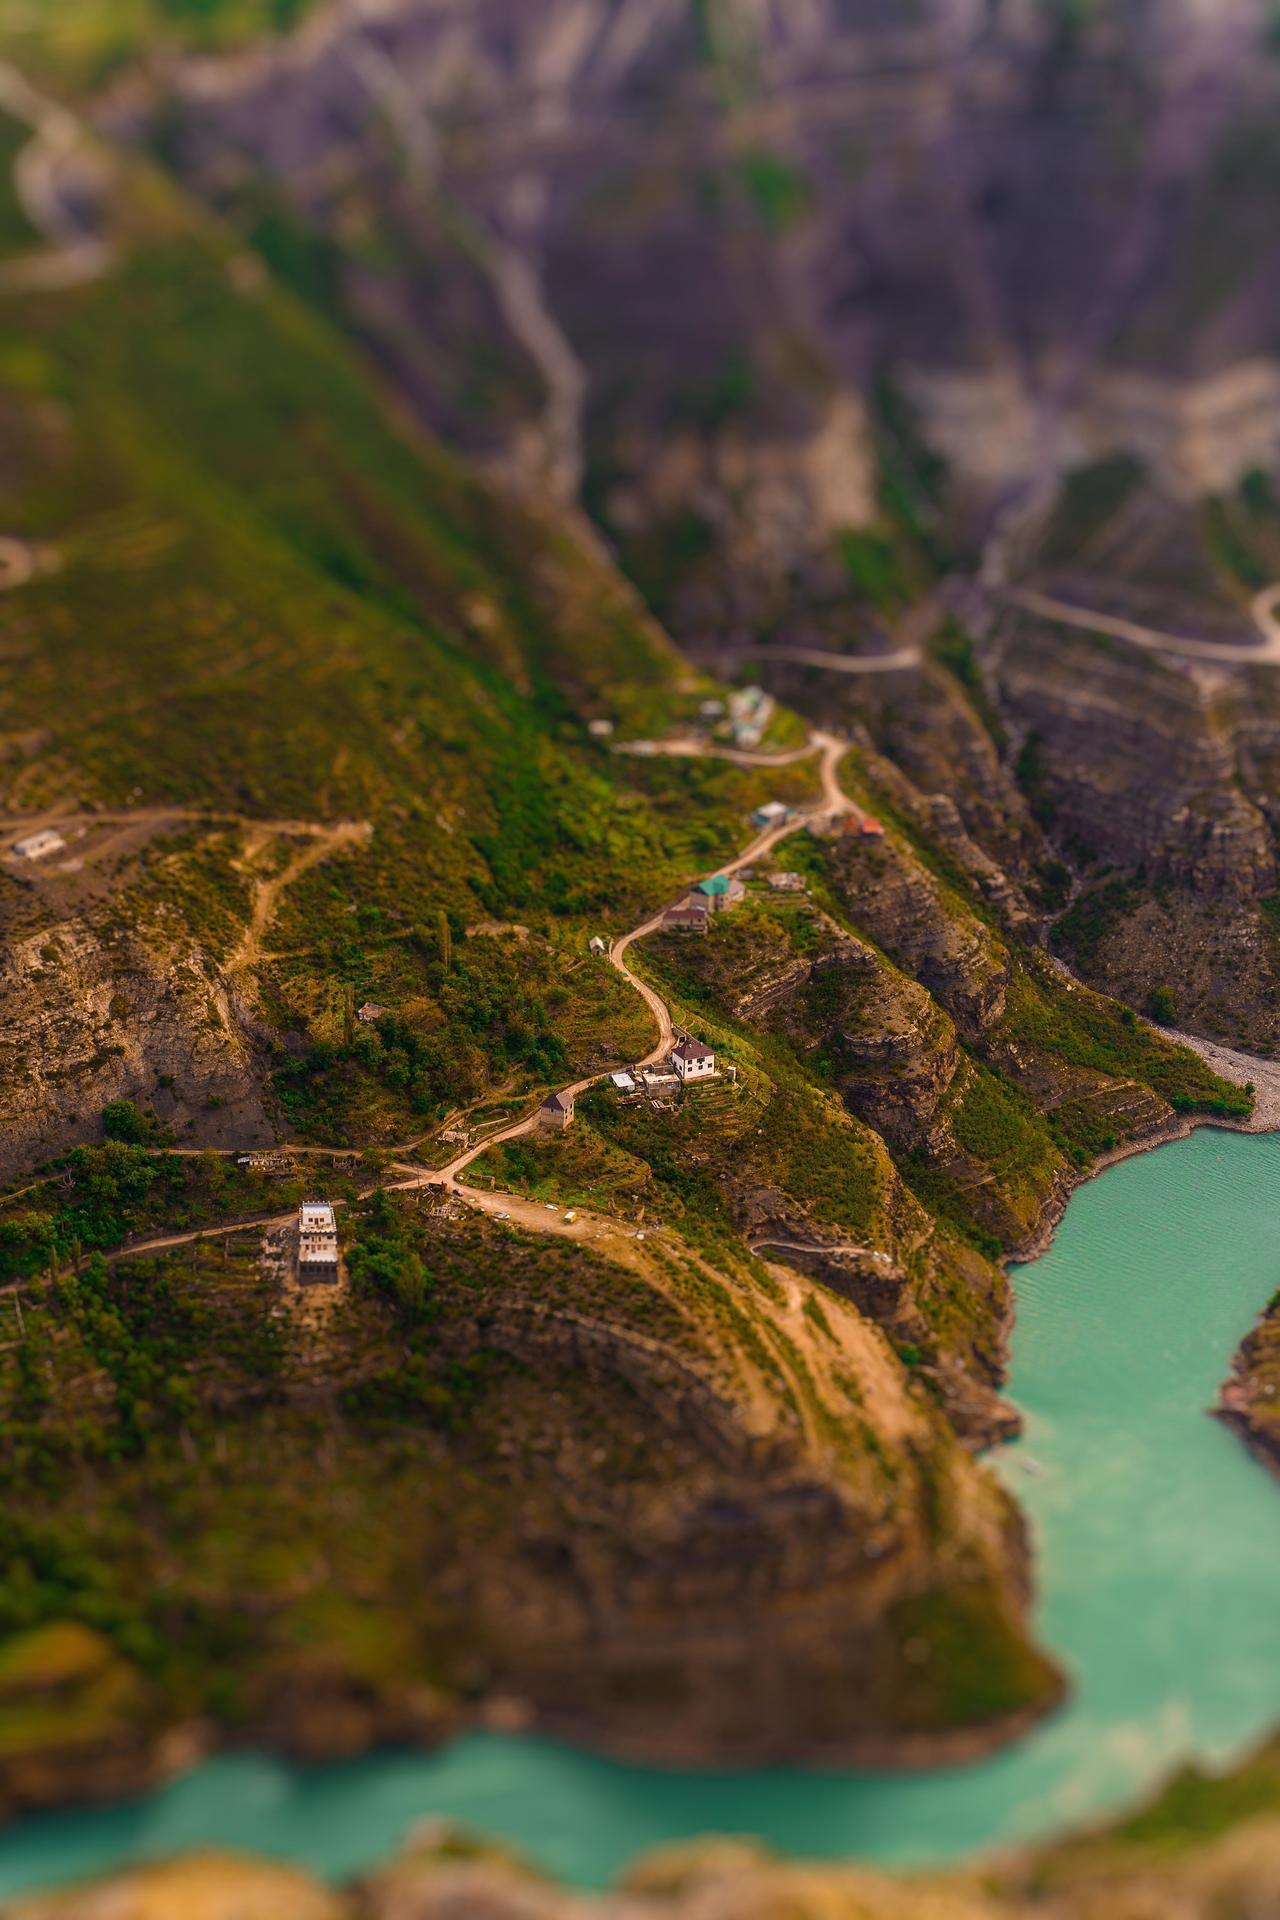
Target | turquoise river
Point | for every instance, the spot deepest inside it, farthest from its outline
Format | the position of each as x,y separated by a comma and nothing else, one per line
1158,1556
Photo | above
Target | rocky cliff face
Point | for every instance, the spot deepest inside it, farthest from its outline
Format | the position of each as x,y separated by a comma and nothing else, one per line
671,248
800,308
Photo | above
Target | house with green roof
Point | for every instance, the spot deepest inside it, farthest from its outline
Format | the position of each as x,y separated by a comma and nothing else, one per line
720,892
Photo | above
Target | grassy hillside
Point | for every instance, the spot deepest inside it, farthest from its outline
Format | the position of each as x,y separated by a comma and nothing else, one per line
86,41
266,611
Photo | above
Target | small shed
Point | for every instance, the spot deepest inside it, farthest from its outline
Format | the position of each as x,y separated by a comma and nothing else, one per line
38,846
624,1082
598,946
772,814
556,1112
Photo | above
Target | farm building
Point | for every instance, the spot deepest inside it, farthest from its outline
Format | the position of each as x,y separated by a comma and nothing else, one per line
556,1111
772,814
863,826
750,710
317,1241
690,916
693,1060
37,846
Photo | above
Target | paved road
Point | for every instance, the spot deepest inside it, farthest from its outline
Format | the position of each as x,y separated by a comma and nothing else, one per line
1154,639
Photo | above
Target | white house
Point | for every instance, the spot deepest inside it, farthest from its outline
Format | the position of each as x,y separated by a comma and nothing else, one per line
557,1111
317,1241
37,846
624,1083
693,1060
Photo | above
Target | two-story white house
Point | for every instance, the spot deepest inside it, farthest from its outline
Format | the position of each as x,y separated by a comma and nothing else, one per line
693,1060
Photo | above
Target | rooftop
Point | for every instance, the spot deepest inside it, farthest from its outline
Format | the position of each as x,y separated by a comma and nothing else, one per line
693,1050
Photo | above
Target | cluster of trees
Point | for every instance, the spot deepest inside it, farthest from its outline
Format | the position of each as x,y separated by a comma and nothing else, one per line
479,1025
95,1197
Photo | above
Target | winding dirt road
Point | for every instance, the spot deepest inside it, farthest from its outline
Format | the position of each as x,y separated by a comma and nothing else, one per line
902,659
833,800
1265,609
75,253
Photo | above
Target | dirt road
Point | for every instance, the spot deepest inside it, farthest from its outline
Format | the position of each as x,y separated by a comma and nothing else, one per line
1155,639
74,254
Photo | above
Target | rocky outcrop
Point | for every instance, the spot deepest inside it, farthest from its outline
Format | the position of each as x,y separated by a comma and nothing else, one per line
927,930
891,1047
722,430
1250,1398
1137,763
88,1016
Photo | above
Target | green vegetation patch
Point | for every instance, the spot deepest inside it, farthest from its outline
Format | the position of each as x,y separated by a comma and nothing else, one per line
962,1660
17,235
93,1198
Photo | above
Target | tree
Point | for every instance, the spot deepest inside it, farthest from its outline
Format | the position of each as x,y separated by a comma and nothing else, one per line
121,1120
1162,1006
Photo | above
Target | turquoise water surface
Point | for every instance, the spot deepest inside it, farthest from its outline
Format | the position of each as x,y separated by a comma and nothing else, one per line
1158,1561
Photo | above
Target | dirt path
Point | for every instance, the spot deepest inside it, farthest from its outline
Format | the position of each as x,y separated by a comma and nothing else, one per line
690,748
19,562
902,659
326,841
